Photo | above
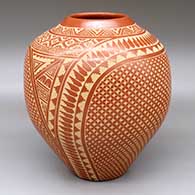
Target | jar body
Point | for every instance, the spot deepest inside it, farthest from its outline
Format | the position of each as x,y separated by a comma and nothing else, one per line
97,95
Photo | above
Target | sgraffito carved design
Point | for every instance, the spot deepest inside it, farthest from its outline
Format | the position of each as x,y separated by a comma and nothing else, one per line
97,96
133,29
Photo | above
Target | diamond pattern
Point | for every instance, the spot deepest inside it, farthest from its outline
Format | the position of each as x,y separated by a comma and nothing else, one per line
125,111
67,63
33,109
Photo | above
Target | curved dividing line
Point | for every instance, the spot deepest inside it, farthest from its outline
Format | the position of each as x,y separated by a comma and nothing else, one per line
85,111
38,105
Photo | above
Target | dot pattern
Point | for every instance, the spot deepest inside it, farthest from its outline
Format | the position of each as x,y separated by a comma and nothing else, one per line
126,109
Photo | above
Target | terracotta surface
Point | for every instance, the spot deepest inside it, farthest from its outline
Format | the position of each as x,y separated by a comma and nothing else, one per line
97,87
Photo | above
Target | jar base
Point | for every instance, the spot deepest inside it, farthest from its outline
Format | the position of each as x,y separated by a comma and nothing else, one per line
101,180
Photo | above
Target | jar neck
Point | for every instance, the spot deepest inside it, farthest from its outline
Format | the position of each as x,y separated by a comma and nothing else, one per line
97,20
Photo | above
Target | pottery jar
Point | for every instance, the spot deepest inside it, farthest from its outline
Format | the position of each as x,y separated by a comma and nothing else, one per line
97,88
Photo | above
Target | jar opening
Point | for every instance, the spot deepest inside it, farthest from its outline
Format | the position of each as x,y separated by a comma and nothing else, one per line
97,16
97,20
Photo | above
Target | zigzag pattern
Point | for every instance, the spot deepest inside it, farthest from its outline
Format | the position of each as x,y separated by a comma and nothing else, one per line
64,46
33,110
29,96
135,119
44,75
55,94
75,81
96,33
69,136
67,64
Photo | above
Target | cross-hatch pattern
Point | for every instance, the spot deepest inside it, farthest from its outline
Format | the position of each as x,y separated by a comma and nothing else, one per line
126,109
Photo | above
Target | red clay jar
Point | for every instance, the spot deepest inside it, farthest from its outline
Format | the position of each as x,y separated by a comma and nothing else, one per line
97,87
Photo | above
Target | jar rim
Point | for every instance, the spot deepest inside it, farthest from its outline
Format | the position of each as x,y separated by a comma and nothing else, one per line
97,20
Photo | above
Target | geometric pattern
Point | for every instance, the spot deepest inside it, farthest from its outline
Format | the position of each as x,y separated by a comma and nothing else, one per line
97,95
133,29
34,109
125,109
